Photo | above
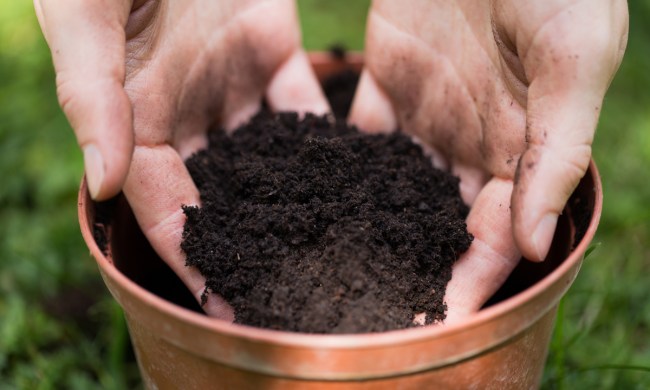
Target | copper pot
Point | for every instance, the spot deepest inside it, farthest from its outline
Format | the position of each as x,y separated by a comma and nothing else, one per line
503,346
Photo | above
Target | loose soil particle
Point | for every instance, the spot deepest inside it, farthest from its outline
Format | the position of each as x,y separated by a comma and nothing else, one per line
310,226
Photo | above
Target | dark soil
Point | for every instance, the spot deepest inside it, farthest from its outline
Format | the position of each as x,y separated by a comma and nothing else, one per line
338,51
103,219
339,89
311,226
580,211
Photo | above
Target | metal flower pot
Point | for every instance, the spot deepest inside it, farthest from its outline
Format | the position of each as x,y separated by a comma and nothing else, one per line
503,346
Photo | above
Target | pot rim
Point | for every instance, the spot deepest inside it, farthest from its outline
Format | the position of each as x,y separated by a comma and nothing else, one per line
345,341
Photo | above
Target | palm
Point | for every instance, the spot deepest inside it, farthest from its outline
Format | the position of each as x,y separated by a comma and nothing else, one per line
457,82
194,64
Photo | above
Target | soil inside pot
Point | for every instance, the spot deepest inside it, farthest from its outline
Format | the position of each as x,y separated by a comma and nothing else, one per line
339,89
310,226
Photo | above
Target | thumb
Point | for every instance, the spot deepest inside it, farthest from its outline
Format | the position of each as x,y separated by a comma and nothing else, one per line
371,108
557,158
295,87
87,41
569,79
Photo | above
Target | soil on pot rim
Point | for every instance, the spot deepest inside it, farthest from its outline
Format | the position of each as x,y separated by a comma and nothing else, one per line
310,226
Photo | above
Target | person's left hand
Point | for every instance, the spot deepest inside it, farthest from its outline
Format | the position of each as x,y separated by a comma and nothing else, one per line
506,94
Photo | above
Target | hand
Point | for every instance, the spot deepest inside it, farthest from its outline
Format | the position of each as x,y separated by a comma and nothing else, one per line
141,83
506,94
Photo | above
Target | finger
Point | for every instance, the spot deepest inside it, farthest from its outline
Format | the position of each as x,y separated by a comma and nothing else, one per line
438,160
39,16
569,79
87,42
371,109
295,87
481,271
158,185
472,181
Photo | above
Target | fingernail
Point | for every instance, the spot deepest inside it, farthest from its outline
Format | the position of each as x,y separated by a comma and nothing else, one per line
94,164
543,235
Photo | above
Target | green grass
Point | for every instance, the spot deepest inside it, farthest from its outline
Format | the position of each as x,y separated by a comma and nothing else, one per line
333,22
601,339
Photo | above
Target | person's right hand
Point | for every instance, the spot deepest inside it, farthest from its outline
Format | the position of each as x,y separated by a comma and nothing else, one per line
142,81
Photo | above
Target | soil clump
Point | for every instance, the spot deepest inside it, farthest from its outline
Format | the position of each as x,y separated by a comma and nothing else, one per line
311,226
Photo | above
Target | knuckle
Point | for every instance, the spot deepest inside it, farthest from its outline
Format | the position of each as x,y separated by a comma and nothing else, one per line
68,96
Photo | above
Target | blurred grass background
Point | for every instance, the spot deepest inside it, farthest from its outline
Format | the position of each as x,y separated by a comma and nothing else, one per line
59,329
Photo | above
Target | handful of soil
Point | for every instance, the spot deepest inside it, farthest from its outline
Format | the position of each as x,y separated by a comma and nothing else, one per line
311,226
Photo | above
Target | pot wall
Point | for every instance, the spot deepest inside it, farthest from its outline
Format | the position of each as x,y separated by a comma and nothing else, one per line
517,364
